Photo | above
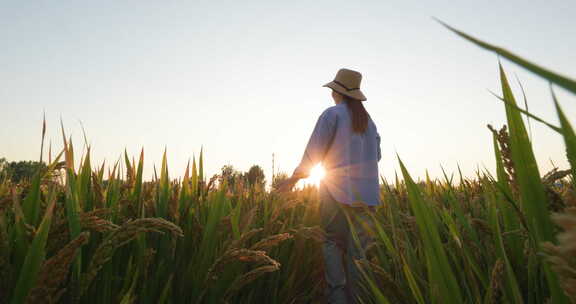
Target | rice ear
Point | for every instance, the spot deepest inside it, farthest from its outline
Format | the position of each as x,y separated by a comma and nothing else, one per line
496,283
121,237
244,238
55,270
271,241
562,256
247,278
241,255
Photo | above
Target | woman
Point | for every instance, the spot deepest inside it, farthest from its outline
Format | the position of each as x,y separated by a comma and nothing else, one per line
346,142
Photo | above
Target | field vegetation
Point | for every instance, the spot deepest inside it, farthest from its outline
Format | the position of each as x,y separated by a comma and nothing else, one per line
93,234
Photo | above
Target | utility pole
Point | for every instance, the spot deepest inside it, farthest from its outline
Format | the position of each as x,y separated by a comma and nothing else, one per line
273,175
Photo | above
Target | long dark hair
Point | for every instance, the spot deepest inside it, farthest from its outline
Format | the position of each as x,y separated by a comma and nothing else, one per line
359,114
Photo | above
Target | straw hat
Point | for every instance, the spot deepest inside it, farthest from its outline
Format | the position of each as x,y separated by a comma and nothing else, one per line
347,82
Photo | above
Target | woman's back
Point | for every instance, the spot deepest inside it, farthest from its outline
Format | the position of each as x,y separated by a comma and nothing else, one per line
351,160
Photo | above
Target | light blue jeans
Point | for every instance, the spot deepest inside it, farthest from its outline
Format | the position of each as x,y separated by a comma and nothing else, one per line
340,250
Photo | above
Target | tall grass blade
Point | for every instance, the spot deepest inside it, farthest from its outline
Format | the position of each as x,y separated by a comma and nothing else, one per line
194,179
129,169
531,190
412,283
137,191
164,189
43,135
440,273
562,81
201,165
84,184
568,134
31,204
525,112
525,106
512,290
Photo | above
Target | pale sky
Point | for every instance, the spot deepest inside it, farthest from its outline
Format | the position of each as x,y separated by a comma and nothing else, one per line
244,79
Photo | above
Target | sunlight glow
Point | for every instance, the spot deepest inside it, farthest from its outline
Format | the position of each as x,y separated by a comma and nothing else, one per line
317,173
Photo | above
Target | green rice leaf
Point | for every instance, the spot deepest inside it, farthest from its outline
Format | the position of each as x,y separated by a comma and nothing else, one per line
129,171
31,204
440,272
412,283
34,257
84,183
201,168
194,179
511,290
137,191
164,189
568,134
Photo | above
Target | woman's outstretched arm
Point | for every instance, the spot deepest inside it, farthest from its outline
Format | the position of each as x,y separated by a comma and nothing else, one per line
318,143
316,148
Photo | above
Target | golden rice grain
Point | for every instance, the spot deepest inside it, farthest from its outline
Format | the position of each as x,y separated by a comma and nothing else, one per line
315,233
271,241
248,277
387,283
93,221
562,257
242,255
54,272
496,282
119,237
244,238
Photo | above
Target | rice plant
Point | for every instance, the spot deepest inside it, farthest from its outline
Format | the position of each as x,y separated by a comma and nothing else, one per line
95,234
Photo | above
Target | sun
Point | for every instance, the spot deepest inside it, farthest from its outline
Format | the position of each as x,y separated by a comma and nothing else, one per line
317,173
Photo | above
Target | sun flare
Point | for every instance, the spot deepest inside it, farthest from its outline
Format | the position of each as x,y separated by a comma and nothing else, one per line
317,173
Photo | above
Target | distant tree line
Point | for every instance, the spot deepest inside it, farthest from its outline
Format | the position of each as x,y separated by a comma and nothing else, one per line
19,171
253,177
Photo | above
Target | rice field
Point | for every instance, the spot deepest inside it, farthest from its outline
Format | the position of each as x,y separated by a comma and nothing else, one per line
93,234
